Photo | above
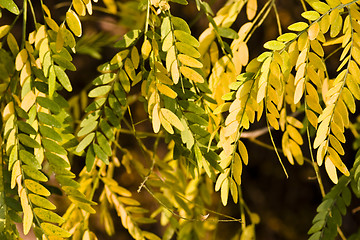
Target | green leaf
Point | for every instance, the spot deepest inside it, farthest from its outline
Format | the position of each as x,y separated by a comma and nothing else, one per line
228,33
187,49
53,230
180,24
186,38
34,173
48,104
107,130
26,128
112,117
104,79
54,147
104,143
57,160
10,6
36,187
88,127
85,142
99,91
41,202
196,118
63,62
49,132
48,119
182,2
63,78
29,159
28,141
100,153
129,39
90,158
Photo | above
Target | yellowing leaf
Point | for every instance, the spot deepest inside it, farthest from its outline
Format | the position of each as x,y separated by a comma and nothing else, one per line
156,118
53,230
4,29
191,74
21,59
336,160
36,187
167,91
172,118
189,61
146,49
73,21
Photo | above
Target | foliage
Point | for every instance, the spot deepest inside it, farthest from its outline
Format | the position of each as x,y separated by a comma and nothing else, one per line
200,94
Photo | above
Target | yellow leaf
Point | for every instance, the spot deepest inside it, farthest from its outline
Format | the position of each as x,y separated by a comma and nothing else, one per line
21,59
273,121
225,191
146,49
313,31
165,123
175,74
321,152
189,61
28,101
28,214
294,134
322,132
156,118
337,131
135,58
243,152
299,90
331,170
4,29
8,111
336,160
237,168
296,152
251,8
336,145
79,7
191,74
15,173
172,118
293,121
73,21
167,91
